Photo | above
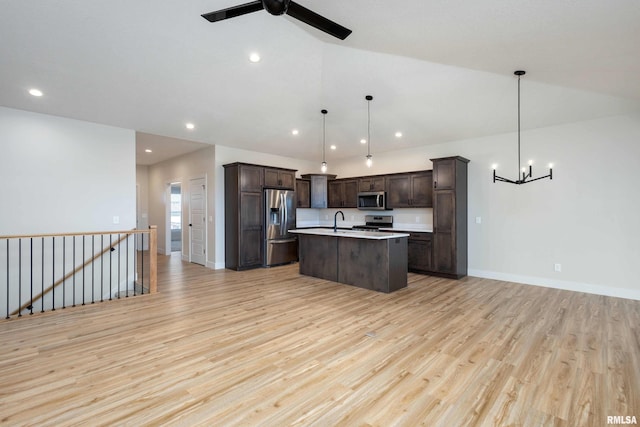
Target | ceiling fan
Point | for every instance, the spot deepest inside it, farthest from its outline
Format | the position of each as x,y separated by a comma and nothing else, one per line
280,7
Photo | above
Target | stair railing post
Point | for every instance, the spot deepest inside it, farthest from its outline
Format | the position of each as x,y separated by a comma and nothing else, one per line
153,259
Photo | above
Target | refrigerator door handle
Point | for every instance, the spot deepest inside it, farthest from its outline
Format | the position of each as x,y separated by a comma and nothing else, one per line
280,241
285,215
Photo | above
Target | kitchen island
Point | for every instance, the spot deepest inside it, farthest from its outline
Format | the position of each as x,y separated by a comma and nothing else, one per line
366,259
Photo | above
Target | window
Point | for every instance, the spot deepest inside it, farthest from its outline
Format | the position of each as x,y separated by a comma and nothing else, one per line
176,211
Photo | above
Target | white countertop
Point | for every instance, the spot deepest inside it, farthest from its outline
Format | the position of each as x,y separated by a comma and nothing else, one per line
408,229
374,235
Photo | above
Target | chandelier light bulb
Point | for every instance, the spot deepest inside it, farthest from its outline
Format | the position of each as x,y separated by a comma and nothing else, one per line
323,168
494,166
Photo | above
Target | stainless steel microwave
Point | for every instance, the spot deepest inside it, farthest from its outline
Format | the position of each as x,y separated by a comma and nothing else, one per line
372,201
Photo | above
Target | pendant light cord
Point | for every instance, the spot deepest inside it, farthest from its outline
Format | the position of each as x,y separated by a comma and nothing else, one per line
519,160
324,130
368,127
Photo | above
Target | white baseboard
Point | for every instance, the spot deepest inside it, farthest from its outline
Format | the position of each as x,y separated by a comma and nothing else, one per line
559,284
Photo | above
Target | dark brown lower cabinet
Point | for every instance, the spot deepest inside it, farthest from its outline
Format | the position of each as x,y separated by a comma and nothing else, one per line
420,252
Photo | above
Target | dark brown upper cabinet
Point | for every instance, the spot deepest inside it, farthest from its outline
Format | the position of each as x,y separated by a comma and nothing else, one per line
279,178
371,183
444,174
303,194
343,193
250,176
410,190
319,189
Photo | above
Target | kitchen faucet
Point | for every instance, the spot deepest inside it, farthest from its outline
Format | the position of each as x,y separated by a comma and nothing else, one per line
335,221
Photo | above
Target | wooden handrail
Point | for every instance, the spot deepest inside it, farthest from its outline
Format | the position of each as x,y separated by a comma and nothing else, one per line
87,233
153,273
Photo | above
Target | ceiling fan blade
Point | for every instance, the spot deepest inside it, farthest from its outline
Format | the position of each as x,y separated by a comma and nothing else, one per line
320,22
234,11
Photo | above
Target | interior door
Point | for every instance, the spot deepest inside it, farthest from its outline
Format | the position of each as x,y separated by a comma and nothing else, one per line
197,220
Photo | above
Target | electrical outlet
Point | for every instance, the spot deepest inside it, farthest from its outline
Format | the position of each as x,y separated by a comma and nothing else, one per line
417,219
478,220
116,220
557,267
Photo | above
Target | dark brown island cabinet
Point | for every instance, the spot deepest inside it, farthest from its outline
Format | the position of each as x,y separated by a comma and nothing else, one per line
377,263
243,207
450,216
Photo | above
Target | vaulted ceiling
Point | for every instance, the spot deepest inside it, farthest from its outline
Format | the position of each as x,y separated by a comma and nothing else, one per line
439,70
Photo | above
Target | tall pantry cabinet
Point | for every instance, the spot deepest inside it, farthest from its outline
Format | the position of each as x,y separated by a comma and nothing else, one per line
450,216
243,216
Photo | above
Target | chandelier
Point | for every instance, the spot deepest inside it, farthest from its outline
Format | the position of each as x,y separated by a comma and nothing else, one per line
524,176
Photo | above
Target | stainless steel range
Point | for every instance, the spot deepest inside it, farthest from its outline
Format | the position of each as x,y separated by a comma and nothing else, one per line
375,222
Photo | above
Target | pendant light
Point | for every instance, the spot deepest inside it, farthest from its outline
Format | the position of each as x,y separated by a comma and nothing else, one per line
323,168
526,177
369,98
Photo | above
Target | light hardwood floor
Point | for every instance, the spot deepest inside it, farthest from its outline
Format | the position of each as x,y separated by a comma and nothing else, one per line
269,347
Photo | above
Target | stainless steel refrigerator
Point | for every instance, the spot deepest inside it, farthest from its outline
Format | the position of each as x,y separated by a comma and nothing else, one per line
280,247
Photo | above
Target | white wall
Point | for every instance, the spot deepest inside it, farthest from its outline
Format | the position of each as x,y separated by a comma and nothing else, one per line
63,175
584,219
225,155
182,169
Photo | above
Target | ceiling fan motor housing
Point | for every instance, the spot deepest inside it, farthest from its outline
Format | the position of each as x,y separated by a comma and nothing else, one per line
276,7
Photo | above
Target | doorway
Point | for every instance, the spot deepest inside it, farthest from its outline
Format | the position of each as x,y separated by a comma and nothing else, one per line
198,220
175,216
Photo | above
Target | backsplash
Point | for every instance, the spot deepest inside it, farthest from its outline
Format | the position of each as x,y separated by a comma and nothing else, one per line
409,218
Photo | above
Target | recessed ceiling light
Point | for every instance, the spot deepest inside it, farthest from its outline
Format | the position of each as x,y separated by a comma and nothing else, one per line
254,57
363,141
35,92
398,134
148,150
333,147
190,126
294,132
